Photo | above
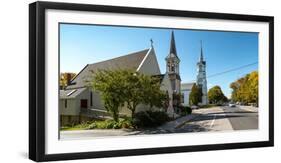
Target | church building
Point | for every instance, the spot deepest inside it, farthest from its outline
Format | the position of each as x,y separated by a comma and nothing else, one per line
80,103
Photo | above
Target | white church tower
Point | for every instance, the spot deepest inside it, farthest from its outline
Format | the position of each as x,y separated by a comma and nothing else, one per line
172,66
201,78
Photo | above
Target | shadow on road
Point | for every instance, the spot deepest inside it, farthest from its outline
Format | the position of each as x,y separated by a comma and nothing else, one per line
248,112
148,131
210,116
192,128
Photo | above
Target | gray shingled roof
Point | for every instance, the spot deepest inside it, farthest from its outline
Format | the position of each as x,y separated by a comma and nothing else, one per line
186,86
130,61
70,93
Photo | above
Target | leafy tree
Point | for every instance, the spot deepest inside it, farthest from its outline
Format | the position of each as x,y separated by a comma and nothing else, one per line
195,95
153,95
215,95
65,78
254,87
144,89
245,89
177,99
109,84
127,88
134,90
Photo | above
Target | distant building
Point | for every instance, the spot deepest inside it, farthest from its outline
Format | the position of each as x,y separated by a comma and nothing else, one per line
185,90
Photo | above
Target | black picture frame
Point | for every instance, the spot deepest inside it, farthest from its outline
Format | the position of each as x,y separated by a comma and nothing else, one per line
37,80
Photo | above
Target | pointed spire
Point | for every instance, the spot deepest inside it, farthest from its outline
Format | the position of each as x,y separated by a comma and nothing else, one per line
173,44
201,59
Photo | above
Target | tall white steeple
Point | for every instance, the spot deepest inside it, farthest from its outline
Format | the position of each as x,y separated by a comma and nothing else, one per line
201,77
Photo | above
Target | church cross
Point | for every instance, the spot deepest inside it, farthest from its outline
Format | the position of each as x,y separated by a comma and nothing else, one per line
151,42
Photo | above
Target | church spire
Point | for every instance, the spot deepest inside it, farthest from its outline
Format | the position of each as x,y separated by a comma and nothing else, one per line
201,59
173,44
201,77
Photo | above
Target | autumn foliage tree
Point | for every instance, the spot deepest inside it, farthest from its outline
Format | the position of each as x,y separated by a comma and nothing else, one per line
65,79
245,89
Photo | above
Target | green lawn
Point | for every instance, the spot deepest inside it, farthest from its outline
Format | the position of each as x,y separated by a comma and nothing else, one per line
82,126
71,128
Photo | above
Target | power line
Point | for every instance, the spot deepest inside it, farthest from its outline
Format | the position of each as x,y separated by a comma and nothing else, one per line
230,70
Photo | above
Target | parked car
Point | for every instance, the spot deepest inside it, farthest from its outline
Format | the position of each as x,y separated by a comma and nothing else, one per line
231,105
194,107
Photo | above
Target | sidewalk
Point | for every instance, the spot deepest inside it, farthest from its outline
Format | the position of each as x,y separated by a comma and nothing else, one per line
96,133
172,125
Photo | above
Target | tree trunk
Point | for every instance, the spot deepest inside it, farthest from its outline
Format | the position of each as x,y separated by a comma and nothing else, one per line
132,107
133,113
115,116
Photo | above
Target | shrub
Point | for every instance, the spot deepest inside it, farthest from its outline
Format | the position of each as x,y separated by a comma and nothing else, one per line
142,119
92,126
188,110
150,118
110,124
185,110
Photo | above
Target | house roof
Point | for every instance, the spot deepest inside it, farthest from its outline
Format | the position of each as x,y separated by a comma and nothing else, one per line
186,86
130,61
71,93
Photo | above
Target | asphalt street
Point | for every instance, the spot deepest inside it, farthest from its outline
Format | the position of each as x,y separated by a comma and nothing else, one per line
222,119
242,119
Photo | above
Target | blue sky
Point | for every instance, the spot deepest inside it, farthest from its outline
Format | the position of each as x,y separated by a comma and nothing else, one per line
85,44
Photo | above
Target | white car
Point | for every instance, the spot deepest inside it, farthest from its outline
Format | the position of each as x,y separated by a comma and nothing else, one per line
231,105
194,107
